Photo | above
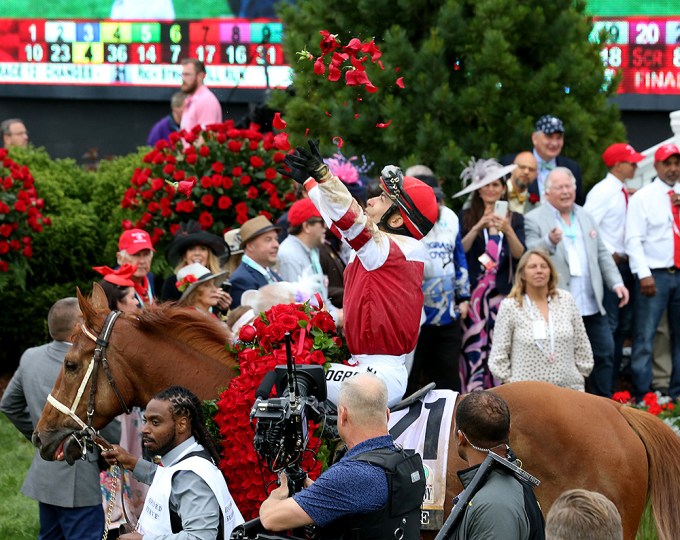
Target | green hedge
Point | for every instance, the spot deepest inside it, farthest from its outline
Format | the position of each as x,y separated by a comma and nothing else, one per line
84,207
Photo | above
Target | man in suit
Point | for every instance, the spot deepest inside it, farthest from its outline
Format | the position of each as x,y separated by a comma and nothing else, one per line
260,244
69,497
584,265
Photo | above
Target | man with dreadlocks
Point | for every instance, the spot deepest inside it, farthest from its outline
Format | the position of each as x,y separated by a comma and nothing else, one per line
383,298
188,497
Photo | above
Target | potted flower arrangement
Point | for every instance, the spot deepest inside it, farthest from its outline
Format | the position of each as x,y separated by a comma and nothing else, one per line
220,176
20,218
654,403
261,347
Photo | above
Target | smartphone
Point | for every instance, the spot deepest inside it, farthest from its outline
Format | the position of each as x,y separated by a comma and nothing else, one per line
226,286
501,208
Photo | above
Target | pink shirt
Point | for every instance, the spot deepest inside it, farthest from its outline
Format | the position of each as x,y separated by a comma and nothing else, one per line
201,108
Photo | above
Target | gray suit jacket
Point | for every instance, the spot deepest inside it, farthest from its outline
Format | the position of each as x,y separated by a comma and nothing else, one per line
537,225
51,482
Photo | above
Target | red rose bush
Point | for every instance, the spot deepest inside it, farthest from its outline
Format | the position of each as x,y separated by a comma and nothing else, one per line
656,404
260,348
220,176
20,217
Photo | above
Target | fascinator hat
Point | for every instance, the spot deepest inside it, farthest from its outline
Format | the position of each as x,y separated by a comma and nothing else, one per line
482,172
121,276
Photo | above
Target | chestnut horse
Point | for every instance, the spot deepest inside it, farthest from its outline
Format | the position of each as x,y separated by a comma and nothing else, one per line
567,439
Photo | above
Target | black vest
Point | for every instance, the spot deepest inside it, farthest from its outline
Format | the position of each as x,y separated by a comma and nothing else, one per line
400,517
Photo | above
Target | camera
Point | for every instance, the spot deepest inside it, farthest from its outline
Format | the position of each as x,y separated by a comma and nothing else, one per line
281,430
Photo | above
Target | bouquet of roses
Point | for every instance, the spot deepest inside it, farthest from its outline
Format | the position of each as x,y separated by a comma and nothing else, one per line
20,216
656,404
261,347
220,176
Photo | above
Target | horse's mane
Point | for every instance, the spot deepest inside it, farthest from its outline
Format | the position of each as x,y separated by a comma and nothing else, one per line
204,334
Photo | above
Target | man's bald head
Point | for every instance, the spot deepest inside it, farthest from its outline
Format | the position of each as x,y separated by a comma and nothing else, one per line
526,171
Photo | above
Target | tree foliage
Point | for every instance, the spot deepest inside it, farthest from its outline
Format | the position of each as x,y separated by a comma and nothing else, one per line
477,75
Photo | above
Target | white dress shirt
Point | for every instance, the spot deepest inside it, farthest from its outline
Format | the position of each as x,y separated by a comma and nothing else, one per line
649,229
606,203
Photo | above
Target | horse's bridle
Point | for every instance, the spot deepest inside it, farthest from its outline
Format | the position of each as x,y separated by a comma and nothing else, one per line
98,357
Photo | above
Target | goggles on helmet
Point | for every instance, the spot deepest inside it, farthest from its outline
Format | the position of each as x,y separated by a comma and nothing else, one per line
392,183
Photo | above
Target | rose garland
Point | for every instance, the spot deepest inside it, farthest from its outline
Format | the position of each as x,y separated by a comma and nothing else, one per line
220,176
260,348
20,216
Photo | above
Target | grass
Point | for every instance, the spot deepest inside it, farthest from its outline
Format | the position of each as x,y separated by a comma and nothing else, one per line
18,514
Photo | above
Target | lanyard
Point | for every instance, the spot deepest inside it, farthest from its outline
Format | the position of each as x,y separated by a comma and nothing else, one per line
569,230
266,272
551,329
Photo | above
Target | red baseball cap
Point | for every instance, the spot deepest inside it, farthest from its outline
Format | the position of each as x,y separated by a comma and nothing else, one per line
134,240
301,211
619,152
666,151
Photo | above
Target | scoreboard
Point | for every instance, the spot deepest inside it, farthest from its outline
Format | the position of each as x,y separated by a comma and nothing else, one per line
243,53
645,50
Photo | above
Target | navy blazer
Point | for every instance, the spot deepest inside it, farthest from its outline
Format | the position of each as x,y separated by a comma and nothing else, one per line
246,278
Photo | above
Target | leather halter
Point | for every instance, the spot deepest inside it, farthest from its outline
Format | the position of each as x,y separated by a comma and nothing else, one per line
98,357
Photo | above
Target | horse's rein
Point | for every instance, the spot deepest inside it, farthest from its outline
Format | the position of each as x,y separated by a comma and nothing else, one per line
98,356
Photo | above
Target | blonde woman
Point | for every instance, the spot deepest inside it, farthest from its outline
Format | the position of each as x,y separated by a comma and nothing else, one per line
539,334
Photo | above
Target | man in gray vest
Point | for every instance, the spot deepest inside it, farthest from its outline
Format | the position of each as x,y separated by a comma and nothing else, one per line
69,497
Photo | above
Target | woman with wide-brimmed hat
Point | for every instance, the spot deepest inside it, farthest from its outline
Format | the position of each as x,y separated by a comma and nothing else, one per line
199,287
493,240
194,245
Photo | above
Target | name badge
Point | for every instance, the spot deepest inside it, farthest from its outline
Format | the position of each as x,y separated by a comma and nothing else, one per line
486,261
539,330
574,262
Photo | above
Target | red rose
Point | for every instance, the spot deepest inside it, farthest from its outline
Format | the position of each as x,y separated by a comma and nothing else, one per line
206,182
237,171
204,151
247,333
279,157
275,332
224,202
534,198
5,230
206,220
4,267
191,159
157,184
217,167
245,180
319,66
281,142
227,182
323,321
27,252
174,228
4,247
186,187
256,161
270,173
289,322
207,200
234,146
252,192
20,206
179,175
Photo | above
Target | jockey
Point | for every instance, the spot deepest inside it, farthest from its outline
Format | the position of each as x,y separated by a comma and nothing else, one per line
383,295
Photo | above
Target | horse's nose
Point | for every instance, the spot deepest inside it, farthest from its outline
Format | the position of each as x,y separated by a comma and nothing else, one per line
36,440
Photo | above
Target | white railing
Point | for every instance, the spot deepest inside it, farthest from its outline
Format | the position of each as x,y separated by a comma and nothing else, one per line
645,171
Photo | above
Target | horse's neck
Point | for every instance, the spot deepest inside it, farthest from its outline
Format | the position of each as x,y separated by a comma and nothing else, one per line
158,366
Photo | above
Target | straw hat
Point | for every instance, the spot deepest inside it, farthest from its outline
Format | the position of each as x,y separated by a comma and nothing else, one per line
233,240
192,275
480,173
255,227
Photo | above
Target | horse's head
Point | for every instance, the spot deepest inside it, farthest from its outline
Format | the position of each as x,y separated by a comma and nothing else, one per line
66,411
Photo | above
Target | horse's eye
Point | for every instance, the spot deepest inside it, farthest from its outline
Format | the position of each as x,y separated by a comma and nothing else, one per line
70,366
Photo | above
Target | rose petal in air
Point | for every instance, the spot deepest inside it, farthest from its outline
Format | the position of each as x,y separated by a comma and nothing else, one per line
338,141
382,125
400,82
279,123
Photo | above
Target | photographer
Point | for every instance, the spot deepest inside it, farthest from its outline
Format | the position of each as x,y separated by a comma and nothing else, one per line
373,492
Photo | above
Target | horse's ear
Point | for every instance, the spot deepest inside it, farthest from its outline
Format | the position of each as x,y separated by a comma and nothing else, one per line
98,299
